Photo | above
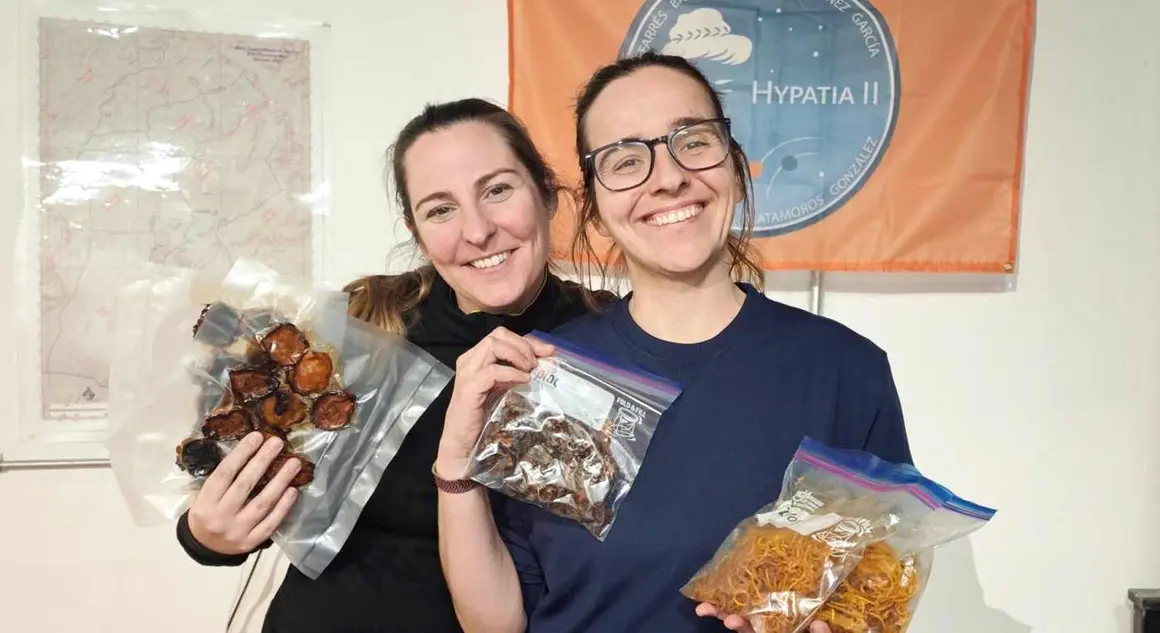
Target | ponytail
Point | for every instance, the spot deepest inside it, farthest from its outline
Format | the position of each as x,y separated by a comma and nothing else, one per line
390,301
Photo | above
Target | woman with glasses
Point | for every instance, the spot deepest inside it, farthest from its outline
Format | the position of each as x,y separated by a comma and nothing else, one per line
662,176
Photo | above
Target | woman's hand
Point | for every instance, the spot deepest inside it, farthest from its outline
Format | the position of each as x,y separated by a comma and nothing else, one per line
223,517
500,360
738,623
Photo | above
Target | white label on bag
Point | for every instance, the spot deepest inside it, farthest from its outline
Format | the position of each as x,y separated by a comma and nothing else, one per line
572,394
797,515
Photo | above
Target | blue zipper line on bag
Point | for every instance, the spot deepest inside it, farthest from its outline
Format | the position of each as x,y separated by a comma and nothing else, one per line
633,375
876,473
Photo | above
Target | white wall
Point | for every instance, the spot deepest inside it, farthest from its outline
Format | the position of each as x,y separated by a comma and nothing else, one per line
1042,401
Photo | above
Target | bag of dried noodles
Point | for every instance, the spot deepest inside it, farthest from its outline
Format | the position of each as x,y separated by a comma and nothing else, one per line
848,542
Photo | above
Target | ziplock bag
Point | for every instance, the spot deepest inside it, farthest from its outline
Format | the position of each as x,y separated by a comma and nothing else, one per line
848,542
572,439
270,357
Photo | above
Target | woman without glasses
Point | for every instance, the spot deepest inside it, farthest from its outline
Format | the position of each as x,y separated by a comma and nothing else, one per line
477,198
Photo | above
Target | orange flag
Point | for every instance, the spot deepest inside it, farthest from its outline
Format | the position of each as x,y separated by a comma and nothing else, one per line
882,135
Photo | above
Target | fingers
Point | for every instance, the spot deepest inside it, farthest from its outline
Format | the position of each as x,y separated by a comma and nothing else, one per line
819,627
235,497
266,527
516,353
737,623
540,348
230,525
731,621
498,375
506,346
264,502
543,350
222,477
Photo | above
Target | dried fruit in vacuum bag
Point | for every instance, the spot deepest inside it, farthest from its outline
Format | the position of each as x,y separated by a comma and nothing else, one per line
303,477
249,383
333,411
285,344
311,374
198,457
230,425
283,409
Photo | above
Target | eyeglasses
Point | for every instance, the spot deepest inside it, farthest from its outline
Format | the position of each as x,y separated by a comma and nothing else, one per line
629,162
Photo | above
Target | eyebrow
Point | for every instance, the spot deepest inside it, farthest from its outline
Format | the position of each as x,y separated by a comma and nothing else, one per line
688,120
478,183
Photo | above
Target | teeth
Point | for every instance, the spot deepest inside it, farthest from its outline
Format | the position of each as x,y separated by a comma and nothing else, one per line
491,262
676,215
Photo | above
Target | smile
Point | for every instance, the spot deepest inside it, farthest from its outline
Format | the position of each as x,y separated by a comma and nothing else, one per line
491,261
674,216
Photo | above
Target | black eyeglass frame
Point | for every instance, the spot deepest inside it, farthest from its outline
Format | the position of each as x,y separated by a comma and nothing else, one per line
651,143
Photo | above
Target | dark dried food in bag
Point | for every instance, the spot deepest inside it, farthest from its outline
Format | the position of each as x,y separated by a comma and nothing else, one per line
570,468
572,439
311,374
285,344
283,409
250,383
198,457
217,325
232,424
303,477
268,431
251,354
201,318
333,411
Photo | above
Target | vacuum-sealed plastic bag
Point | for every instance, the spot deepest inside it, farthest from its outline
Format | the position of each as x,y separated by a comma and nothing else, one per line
573,438
263,356
848,542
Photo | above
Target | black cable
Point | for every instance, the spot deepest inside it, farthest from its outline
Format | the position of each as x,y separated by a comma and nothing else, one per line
242,593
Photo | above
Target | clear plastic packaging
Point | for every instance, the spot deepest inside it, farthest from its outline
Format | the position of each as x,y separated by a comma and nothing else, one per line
848,542
573,438
262,356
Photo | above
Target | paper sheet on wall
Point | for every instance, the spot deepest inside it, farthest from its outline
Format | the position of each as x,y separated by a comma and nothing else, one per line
158,145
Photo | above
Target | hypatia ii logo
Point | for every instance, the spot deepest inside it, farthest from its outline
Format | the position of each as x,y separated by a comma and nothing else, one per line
811,86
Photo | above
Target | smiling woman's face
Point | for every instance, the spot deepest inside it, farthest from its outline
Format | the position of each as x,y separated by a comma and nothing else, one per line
478,216
677,222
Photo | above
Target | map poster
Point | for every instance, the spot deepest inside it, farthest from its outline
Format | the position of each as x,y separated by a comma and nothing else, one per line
157,145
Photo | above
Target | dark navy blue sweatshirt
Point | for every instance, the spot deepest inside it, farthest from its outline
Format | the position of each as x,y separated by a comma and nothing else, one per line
774,375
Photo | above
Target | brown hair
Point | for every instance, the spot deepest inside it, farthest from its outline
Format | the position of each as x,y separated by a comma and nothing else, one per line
743,264
390,301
